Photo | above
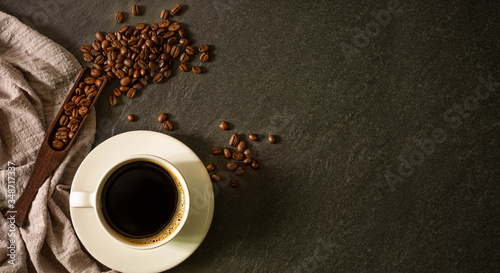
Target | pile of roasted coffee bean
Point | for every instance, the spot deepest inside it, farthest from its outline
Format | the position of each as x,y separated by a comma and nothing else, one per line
243,156
76,109
142,54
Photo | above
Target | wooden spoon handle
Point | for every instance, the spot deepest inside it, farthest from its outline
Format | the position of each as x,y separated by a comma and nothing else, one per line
50,155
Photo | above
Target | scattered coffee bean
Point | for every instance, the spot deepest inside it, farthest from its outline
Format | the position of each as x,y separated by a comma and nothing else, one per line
271,139
234,183
176,10
227,153
131,93
215,177
240,171
89,80
112,100
119,17
100,36
158,78
247,161
167,125
204,57
190,50
184,58
238,156
231,166
203,48
248,153
224,126
241,146
196,69
234,140
125,81
136,10
216,151
184,41
255,164
162,117
253,137
130,117
164,14
210,167
183,67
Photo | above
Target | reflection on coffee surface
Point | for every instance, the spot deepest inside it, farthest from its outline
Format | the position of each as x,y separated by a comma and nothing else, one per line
139,200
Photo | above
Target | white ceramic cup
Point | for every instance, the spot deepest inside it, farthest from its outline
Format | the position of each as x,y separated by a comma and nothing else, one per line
80,199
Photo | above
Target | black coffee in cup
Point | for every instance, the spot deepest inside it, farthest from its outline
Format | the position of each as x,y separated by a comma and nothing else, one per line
139,199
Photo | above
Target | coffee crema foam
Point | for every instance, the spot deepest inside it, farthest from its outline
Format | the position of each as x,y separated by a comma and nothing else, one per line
169,229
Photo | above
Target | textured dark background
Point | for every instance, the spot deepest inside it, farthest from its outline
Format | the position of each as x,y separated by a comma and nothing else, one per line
337,193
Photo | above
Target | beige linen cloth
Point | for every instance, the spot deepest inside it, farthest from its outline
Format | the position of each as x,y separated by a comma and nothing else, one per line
36,75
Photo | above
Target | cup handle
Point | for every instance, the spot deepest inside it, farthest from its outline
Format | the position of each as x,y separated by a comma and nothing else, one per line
82,199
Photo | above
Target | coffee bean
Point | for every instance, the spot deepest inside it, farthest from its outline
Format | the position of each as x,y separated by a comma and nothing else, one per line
224,126
162,117
238,156
203,48
85,48
158,78
247,161
69,106
253,137
231,166
85,102
204,57
183,67
125,81
143,81
210,167
234,140
168,73
174,51
57,144
184,58
137,86
71,134
95,73
248,153
184,41
174,26
227,153
136,10
119,17
82,111
130,117
182,33
87,58
196,69
98,82
216,151
215,177
164,24
172,40
164,14
272,139
73,127
112,100
89,80
131,93
123,29
175,10
255,164
241,146
99,36
240,171
234,183
61,135
168,125
190,50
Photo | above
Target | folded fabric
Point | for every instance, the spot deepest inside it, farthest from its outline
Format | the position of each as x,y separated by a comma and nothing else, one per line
36,75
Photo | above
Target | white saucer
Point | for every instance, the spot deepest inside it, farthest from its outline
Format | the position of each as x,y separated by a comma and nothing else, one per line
110,252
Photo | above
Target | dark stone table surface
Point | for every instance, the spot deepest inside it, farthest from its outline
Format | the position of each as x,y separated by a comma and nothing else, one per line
386,113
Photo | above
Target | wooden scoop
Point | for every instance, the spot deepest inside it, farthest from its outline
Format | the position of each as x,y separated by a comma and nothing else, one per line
49,157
